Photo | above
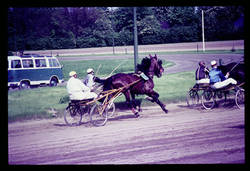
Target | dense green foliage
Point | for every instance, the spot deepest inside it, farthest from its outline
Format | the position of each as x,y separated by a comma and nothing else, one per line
82,27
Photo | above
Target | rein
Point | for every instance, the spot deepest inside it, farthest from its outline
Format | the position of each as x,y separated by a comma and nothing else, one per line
121,88
132,83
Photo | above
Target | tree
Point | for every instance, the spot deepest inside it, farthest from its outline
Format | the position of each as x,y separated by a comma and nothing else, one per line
81,27
182,23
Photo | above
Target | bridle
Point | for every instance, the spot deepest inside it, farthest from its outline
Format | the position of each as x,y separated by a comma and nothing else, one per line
151,71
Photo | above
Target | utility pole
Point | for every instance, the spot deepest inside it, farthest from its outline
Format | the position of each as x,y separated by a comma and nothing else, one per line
203,34
113,40
202,23
135,40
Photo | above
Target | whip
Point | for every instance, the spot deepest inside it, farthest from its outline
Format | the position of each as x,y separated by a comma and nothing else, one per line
235,65
98,69
115,69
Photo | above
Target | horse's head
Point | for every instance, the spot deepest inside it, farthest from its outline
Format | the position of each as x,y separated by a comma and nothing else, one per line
236,70
155,66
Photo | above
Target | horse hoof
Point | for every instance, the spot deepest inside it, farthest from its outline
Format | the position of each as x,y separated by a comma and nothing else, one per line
165,110
150,99
137,115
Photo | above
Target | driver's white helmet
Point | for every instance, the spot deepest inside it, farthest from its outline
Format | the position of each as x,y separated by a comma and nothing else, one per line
90,70
213,62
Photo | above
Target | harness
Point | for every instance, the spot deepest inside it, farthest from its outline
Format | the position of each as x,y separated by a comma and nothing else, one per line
142,75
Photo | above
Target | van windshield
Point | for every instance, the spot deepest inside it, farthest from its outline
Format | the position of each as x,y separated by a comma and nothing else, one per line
53,63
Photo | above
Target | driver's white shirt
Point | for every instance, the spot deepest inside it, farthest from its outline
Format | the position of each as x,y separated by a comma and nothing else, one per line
78,91
89,81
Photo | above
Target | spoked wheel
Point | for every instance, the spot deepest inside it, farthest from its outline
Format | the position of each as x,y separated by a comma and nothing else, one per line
208,99
240,98
98,116
111,109
192,98
73,115
222,97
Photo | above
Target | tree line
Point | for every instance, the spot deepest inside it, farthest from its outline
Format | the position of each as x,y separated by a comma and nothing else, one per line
84,27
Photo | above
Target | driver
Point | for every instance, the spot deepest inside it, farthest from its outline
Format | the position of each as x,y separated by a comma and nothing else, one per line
217,79
77,90
201,74
91,80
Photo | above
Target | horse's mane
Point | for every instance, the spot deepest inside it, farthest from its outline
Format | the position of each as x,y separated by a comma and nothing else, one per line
144,66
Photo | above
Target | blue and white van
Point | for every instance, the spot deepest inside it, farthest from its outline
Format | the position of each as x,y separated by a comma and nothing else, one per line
33,69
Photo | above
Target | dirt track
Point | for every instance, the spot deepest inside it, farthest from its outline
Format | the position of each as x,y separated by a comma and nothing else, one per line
182,136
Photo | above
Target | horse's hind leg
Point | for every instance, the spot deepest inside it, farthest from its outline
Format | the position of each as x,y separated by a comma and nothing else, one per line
136,103
130,103
155,97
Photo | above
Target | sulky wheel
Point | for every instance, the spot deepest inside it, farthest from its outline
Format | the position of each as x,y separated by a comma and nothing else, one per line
111,109
72,115
98,116
192,98
207,99
240,98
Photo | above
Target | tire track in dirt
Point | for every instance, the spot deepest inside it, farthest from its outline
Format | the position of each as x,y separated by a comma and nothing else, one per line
181,136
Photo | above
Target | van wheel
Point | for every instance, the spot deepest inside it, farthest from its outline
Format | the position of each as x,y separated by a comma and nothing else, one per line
53,82
24,85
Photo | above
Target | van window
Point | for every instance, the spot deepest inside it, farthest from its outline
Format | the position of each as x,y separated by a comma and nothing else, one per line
53,63
16,64
28,63
40,63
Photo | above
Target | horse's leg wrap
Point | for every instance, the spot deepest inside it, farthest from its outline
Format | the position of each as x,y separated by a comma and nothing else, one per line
136,103
130,103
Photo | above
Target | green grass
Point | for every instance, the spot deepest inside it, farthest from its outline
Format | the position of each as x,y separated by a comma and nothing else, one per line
173,87
237,51
106,66
36,103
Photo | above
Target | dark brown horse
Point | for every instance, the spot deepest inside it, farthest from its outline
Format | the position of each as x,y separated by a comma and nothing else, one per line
236,70
150,67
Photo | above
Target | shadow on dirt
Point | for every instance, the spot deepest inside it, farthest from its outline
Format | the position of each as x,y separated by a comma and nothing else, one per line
229,104
120,117
60,124
238,126
121,106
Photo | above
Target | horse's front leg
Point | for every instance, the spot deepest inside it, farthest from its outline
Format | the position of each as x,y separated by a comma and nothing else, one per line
130,103
155,98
